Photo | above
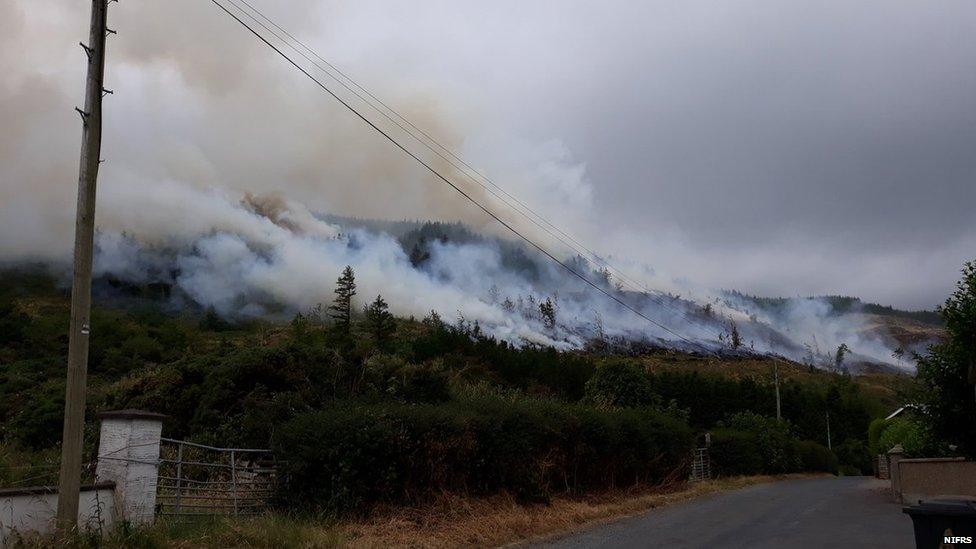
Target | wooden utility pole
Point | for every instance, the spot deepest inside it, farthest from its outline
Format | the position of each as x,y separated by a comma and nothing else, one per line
829,445
91,145
779,414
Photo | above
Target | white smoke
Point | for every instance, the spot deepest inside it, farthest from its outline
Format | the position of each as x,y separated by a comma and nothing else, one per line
270,256
196,125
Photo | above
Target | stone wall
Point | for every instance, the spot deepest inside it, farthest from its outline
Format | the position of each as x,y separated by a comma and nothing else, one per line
931,478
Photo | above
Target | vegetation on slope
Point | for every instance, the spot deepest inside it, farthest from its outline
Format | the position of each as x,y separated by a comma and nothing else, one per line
421,405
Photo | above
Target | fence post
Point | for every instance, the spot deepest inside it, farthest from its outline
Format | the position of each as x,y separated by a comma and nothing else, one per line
128,454
179,474
233,479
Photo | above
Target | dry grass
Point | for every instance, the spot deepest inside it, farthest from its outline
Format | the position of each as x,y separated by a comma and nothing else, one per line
500,521
885,386
452,521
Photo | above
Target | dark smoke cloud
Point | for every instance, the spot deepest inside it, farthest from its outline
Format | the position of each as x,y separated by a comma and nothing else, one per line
781,148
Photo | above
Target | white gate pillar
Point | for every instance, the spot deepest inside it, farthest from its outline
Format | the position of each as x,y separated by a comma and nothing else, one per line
128,454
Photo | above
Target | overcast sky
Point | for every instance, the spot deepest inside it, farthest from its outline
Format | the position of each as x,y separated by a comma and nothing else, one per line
783,148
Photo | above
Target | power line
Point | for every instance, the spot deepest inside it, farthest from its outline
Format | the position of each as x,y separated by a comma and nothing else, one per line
464,168
443,178
468,168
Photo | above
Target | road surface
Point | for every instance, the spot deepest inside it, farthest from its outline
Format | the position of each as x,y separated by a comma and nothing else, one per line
816,512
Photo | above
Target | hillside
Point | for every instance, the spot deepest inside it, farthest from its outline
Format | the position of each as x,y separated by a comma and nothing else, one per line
253,383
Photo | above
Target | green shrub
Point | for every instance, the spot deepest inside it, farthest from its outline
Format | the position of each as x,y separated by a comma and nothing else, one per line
846,470
776,445
875,429
816,457
620,383
391,376
735,452
897,431
354,455
854,456
946,373
915,439
749,444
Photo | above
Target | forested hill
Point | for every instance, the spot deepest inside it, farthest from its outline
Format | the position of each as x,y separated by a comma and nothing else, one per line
840,304
381,378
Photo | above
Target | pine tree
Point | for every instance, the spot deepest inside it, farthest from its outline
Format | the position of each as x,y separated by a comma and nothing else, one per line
548,311
735,339
379,322
419,253
341,309
840,355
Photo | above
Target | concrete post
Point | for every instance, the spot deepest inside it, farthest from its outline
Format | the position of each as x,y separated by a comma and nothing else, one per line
895,455
128,454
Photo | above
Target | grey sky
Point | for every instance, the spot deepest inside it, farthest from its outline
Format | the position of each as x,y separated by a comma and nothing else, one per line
774,147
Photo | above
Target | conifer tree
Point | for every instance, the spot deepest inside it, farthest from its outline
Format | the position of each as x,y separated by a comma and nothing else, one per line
548,311
379,322
839,356
341,308
735,338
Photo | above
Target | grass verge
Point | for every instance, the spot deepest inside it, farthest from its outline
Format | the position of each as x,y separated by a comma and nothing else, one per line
450,521
501,521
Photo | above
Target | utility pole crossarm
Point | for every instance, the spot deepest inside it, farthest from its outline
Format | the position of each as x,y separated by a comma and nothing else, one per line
79,331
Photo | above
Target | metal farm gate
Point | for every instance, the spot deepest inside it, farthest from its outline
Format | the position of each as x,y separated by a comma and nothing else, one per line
701,463
197,481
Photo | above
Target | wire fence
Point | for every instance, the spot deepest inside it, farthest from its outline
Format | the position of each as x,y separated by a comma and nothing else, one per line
39,474
198,481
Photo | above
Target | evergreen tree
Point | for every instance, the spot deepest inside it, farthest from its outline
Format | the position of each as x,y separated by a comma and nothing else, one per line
840,355
379,322
948,371
419,253
548,311
735,339
341,309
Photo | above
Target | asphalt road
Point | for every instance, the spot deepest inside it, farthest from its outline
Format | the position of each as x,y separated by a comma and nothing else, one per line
817,512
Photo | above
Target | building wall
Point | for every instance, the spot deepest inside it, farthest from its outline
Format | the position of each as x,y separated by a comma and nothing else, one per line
34,510
930,478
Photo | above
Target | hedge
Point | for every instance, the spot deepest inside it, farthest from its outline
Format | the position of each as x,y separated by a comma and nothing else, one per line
352,456
816,457
745,452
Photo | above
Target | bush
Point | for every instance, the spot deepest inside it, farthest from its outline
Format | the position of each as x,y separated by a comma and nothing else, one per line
620,383
816,457
948,370
854,457
735,452
776,445
390,376
875,429
355,455
915,439
749,444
